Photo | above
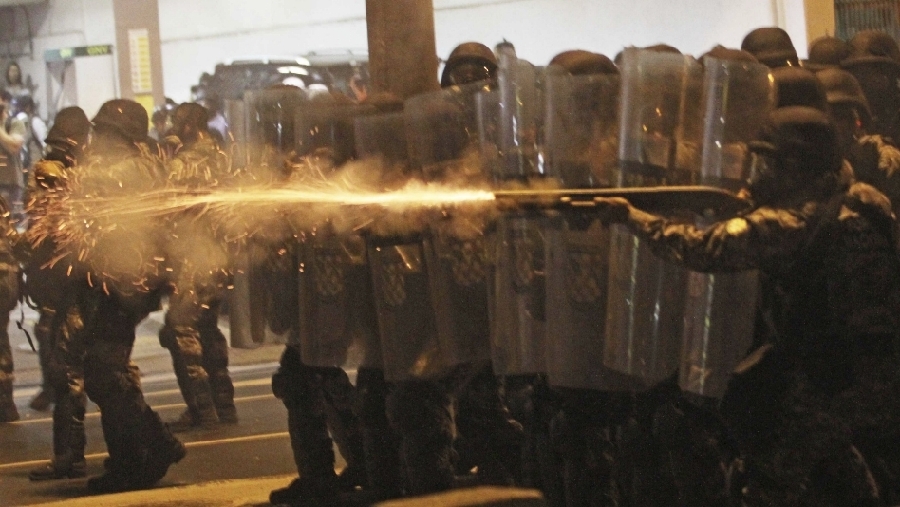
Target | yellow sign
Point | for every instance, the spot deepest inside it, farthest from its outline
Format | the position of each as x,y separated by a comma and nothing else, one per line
145,100
141,72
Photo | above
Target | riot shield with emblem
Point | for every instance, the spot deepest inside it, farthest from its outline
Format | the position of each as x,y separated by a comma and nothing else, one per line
659,145
508,126
581,152
337,322
720,309
442,136
335,328
577,276
409,343
518,306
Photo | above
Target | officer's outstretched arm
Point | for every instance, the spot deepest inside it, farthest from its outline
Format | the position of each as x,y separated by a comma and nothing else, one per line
762,236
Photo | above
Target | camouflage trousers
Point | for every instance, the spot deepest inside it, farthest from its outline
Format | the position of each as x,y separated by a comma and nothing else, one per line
199,355
319,400
132,430
794,450
62,353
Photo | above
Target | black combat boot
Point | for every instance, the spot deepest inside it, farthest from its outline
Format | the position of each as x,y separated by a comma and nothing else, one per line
420,412
200,414
381,444
68,441
163,450
8,410
318,484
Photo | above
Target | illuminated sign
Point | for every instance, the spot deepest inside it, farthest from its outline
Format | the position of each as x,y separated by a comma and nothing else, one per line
63,54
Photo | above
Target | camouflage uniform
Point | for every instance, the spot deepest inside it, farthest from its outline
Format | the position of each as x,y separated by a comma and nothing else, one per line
121,291
59,330
191,333
831,254
876,161
320,402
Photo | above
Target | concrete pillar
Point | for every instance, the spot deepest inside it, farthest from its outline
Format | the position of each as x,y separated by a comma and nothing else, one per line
820,18
139,52
402,50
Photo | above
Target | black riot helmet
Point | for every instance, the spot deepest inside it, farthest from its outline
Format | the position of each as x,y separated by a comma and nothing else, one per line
126,118
68,136
579,62
848,105
469,62
799,87
797,145
729,54
826,52
869,43
842,88
772,46
189,122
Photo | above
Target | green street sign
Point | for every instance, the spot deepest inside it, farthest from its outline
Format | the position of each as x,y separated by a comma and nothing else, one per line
63,54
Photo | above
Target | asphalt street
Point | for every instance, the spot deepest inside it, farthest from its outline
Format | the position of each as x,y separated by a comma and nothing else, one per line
240,463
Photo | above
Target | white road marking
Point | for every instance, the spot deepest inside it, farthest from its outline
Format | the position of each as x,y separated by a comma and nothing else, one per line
189,445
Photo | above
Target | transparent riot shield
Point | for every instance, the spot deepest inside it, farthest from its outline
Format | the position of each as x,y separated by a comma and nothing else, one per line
335,328
236,117
381,136
270,116
720,309
517,118
441,132
410,347
737,98
577,276
442,138
518,306
659,144
325,129
879,78
580,129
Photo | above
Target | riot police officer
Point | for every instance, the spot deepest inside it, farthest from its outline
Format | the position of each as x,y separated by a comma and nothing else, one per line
118,164
191,333
771,46
59,329
831,250
826,52
874,159
316,307
875,63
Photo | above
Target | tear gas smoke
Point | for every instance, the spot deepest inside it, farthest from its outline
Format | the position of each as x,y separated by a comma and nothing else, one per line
174,235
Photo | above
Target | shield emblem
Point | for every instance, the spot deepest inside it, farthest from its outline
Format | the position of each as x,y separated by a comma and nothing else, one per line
467,259
393,283
328,268
583,273
528,257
